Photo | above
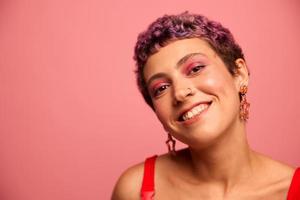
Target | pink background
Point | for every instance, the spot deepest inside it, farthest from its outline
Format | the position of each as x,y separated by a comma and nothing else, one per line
71,117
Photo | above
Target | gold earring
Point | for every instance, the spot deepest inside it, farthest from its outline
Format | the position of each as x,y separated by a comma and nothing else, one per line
244,105
171,144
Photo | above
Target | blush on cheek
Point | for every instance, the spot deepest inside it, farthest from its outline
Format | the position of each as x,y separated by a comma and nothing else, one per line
162,110
215,85
161,118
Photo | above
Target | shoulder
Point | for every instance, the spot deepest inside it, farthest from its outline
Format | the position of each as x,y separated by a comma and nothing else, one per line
129,183
276,170
275,167
276,176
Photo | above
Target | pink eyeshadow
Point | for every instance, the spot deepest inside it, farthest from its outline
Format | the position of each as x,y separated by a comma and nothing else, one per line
154,85
194,61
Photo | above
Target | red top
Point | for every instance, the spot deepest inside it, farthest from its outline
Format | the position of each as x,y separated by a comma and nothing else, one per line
147,191
294,191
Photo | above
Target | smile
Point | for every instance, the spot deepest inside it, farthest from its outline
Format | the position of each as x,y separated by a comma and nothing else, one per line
194,112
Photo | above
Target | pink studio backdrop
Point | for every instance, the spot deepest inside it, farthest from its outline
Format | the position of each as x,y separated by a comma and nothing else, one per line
71,117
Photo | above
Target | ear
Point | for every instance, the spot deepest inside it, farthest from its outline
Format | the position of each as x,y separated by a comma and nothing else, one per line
241,75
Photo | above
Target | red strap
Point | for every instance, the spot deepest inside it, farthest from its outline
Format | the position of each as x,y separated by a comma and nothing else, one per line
294,191
148,180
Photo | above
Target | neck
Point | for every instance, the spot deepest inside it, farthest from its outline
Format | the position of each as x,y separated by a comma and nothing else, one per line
228,161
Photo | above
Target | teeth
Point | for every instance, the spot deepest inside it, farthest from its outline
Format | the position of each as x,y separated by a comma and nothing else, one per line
195,111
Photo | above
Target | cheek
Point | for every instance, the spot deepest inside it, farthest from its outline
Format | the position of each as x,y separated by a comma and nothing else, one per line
215,85
223,87
220,85
161,110
163,117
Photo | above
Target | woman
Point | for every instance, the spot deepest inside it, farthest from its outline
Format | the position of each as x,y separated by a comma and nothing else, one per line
194,76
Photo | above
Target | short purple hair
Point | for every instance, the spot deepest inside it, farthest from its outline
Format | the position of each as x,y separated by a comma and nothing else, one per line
175,27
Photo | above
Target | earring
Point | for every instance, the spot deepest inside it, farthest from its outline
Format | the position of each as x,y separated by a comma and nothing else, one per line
244,105
190,91
171,144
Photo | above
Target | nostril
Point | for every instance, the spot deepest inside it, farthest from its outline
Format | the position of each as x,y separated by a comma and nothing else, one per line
181,94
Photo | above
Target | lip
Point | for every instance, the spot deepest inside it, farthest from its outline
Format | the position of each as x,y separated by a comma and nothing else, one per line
192,120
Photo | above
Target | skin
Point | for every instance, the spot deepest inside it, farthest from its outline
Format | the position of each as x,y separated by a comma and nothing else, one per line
218,163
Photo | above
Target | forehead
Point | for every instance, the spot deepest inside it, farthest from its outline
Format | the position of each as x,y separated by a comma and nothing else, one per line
169,55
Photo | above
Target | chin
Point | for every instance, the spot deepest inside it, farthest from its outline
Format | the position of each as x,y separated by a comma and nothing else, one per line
202,132
202,135
203,138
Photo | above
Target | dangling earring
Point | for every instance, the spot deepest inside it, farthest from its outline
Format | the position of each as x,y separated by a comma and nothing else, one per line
171,144
244,105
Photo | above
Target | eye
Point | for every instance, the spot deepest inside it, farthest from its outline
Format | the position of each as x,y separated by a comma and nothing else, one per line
160,89
195,69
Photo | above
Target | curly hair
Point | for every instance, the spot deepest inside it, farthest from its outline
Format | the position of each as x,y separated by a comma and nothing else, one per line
182,26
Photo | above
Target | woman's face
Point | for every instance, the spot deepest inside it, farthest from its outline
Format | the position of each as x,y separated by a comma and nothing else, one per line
194,95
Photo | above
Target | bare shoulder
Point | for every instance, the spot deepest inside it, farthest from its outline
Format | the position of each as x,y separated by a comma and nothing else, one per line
275,167
129,184
278,175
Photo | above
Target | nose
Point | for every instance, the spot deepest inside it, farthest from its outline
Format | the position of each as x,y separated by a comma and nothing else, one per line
182,93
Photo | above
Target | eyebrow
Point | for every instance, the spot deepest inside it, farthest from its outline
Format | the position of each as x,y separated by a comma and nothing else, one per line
178,64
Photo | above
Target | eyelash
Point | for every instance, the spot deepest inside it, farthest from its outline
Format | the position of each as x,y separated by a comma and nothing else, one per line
198,67
157,91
